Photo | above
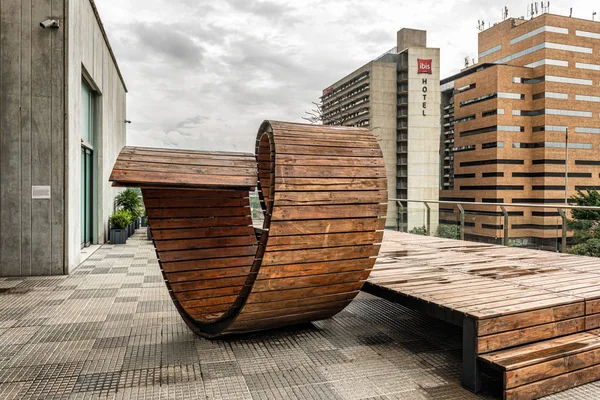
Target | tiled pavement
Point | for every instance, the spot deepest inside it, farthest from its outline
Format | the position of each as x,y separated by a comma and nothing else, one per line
110,331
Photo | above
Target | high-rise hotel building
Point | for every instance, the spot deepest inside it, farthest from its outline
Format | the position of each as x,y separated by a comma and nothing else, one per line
505,122
397,97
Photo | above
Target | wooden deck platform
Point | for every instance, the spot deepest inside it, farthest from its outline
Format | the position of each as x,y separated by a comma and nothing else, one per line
503,297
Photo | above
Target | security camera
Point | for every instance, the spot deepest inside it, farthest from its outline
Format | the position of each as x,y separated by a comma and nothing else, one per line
50,23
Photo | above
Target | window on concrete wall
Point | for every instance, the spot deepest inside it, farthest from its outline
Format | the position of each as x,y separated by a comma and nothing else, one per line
88,123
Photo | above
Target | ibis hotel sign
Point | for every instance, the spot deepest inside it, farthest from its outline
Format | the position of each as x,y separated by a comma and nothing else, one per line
424,67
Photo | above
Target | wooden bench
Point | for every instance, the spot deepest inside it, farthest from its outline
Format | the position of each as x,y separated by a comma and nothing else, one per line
324,204
538,369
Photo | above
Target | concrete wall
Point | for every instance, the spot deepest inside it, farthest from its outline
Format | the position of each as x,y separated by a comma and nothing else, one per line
90,55
40,139
423,135
32,138
383,124
407,37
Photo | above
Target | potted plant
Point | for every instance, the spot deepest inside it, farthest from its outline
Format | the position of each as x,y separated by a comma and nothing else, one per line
130,200
119,222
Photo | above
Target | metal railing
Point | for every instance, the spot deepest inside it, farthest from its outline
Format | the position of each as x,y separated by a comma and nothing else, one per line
561,209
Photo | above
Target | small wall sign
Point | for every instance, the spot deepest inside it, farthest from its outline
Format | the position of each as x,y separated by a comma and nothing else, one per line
40,192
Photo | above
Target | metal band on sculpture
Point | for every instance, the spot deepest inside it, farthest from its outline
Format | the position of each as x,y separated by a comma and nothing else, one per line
323,192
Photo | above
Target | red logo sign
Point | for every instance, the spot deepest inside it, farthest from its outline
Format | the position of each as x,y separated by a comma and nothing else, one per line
424,66
327,91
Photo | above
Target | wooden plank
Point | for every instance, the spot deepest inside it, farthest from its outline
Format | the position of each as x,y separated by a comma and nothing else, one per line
207,243
173,193
291,159
517,321
299,308
322,198
235,282
187,255
555,384
534,353
204,264
196,202
185,152
247,170
281,271
158,213
324,240
318,255
178,223
135,178
503,340
213,273
329,184
592,306
303,293
284,228
188,160
286,304
308,281
327,151
329,211
197,233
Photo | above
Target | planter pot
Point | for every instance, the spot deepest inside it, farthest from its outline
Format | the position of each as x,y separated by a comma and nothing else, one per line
137,223
144,222
118,236
130,229
148,233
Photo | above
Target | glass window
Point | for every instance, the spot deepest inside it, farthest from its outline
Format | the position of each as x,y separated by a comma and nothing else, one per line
537,31
87,113
564,79
580,97
548,61
490,51
591,35
587,130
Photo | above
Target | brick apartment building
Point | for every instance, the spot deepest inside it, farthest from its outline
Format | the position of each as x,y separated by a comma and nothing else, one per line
505,122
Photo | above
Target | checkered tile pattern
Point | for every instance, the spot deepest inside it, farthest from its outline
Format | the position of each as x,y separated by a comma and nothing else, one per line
110,331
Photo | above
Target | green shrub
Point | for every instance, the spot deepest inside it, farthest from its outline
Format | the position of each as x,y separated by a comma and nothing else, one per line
130,200
589,248
121,219
419,231
448,231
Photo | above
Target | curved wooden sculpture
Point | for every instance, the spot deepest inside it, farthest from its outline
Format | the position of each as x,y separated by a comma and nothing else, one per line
323,191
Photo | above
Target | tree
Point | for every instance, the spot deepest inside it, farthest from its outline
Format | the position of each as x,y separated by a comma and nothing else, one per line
316,115
585,224
590,199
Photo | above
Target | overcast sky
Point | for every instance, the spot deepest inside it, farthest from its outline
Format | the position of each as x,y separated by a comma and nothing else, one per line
204,74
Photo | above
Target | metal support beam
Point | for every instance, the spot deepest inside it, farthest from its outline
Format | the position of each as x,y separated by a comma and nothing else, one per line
471,374
462,221
428,219
563,216
505,225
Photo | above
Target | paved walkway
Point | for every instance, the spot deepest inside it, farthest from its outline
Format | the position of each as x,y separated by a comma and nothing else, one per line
110,331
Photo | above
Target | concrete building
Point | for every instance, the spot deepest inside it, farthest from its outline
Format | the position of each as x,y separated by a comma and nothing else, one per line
505,122
397,97
62,124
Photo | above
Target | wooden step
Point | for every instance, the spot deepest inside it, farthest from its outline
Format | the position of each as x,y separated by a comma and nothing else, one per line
539,369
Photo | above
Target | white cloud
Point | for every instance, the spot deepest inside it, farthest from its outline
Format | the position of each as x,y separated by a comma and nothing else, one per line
205,74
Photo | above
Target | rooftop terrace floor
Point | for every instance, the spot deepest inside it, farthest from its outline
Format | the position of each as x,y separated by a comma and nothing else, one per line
110,331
